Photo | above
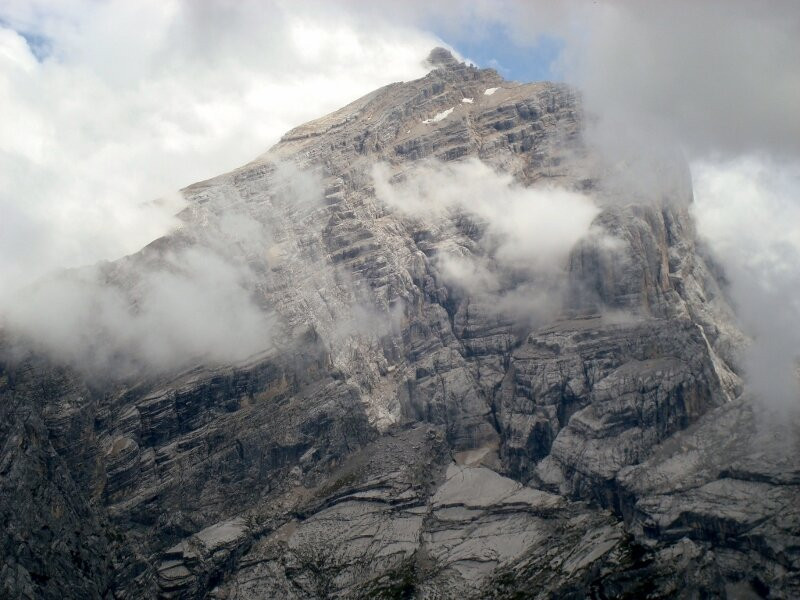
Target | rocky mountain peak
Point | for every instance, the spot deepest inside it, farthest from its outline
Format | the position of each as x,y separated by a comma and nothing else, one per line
441,57
444,399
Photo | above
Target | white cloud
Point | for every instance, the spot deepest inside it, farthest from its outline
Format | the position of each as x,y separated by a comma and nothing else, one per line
720,76
195,305
528,228
749,211
525,233
135,100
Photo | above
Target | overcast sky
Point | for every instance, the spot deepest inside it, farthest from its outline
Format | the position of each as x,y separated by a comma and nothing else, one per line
110,107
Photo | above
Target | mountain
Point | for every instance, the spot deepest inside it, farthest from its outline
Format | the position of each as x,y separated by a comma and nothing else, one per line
375,394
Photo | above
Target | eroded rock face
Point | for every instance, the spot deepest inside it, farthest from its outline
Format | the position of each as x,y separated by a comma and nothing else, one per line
400,436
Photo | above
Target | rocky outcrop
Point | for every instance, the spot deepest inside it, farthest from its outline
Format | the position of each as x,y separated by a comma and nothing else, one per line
592,397
398,435
729,483
192,566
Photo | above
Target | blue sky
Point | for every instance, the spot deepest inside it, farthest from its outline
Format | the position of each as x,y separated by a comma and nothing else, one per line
519,62
39,44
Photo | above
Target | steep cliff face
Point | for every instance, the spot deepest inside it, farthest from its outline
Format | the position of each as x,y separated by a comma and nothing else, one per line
398,434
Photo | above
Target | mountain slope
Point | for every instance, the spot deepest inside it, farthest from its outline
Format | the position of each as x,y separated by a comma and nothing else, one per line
392,429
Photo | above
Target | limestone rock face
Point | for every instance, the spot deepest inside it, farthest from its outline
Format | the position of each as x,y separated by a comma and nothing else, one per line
396,435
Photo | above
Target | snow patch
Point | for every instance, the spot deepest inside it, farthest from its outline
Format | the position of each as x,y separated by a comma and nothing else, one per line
439,116
467,100
490,91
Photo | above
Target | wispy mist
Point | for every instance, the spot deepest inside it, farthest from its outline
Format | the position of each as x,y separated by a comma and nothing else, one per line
524,234
192,297
195,306
749,212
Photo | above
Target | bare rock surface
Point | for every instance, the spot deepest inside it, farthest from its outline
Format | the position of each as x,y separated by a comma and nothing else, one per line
396,435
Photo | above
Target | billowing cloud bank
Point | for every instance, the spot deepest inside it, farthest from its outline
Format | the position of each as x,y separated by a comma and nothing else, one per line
110,108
